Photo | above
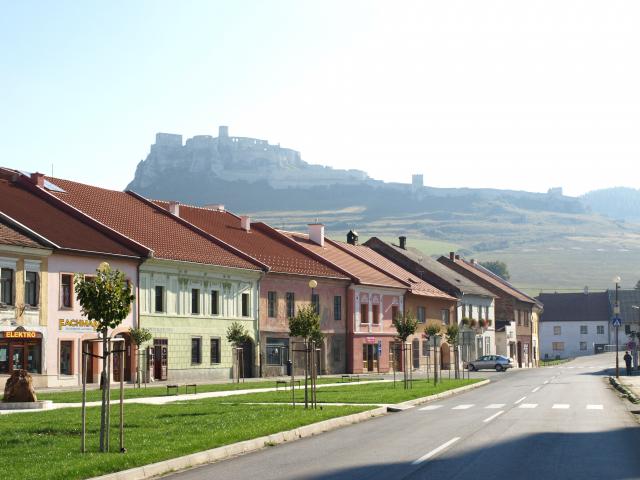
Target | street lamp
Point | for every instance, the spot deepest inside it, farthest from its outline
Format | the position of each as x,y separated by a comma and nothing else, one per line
616,315
312,285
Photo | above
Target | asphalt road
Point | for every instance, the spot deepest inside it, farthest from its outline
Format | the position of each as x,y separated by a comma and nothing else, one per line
549,423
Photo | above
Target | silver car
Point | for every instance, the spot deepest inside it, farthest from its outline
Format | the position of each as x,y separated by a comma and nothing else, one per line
493,362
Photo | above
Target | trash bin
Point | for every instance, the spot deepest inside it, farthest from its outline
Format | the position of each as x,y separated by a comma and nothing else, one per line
289,366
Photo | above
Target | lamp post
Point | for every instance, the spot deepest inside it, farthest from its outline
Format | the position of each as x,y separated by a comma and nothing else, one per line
616,314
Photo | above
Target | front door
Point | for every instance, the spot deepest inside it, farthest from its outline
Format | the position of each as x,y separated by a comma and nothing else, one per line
88,347
519,354
369,357
160,358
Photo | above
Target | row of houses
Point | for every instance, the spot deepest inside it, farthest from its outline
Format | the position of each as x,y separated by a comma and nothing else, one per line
195,270
576,324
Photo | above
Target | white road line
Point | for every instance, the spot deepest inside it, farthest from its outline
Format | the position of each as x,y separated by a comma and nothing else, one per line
435,451
463,407
535,390
545,382
495,406
561,406
495,415
528,405
594,407
430,407
518,401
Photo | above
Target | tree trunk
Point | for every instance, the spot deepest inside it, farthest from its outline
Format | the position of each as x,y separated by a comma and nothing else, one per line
103,385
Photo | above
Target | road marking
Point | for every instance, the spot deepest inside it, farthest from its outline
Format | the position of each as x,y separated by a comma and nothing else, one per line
535,390
528,405
463,407
495,406
594,407
435,451
545,382
495,415
430,407
518,401
561,406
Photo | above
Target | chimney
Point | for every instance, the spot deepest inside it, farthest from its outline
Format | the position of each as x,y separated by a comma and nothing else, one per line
38,179
403,242
352,237
473,261
316,233
174,208
457,257
452,256
245,223
218,207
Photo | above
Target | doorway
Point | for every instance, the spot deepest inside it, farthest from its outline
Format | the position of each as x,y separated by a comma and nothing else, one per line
519,354
247,359
160,358
87,346
117,368
445,356
369,357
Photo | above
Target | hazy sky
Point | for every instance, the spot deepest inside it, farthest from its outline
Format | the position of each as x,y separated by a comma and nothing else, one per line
511,94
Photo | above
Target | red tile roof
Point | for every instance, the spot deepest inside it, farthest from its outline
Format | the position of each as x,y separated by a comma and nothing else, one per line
150,225
359,269
12,236
417,285
261,242
61,228
492,279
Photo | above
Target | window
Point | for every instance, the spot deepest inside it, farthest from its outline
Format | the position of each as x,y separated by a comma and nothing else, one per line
159,302
627,329
479,313
487,345
277,351
583,329
31,289
464,311
6,286
66,353
196,350
557,330
245,304
215,302
271,304
558,346
315,301
195,302
66,290
375,312
337,309
486,313
394,311
422,314
526,318
583,346
445,316
600,329
291,305
519,317
364,313
425,348
337,351
215,350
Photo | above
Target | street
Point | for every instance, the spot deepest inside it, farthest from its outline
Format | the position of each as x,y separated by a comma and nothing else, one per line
545,423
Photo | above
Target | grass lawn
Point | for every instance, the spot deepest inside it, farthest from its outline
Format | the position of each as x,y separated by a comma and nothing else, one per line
369,393
547,363
46,445
160,391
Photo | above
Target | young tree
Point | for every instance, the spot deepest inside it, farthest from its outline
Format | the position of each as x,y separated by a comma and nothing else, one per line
433,330
453,336
138,337
406,325
106,299
497,267
306,325
237,335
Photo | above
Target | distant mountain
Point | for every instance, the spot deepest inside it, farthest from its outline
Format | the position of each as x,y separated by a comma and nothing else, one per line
620,203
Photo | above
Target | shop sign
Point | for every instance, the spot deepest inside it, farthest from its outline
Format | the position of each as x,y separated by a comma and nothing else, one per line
371,339
20,334
77,325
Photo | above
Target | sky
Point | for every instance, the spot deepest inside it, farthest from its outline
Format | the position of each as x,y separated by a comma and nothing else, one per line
505,94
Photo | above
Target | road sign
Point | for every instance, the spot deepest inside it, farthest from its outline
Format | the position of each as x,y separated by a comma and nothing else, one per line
379,347
616,321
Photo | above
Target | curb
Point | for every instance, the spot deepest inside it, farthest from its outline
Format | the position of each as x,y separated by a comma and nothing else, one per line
624,390
235,449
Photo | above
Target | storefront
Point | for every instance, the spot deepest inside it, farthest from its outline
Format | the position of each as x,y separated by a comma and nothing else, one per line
20,349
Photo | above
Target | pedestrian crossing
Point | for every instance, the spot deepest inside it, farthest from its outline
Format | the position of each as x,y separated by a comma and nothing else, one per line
520,406
582,367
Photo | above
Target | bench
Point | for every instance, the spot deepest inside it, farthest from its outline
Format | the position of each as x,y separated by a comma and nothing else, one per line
351,377
172,387
286,383
194,386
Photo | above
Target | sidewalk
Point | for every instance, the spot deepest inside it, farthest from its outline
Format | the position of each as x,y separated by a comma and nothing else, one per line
632,383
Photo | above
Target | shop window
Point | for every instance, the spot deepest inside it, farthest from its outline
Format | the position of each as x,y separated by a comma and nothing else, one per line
159,299
215,350
215,302
4,358
31,289
66,290
195,301
337,308
6,286
196,350
375,311
277,351
245,304
66,357
291,305
272,299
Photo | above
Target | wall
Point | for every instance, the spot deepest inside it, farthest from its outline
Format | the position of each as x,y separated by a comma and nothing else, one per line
571,336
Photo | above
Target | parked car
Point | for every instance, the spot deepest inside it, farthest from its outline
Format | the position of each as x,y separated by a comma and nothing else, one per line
497,362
